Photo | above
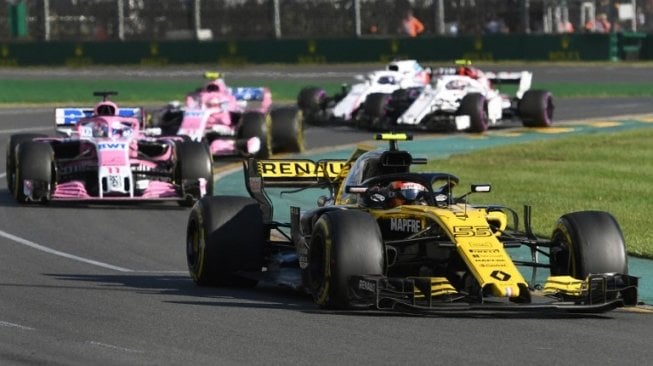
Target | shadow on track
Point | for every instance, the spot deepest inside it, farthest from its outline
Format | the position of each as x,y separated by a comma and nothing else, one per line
265,297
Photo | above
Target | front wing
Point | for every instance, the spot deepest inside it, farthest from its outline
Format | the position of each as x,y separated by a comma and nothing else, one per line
429,296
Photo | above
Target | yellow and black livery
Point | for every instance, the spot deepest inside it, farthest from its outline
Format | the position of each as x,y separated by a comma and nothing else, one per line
434,252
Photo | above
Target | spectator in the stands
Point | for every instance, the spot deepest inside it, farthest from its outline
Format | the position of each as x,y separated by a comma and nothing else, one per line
411,25
599,25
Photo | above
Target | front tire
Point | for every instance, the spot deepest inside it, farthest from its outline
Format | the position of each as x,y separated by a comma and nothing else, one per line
256,124
225,235
194,162
35,165
11,157
588,242
536,108
475,106
343,243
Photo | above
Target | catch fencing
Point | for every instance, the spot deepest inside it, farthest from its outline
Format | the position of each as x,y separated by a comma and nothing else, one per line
220,20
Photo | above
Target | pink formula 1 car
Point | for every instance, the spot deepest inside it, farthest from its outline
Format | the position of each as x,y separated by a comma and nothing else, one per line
235,121
103,154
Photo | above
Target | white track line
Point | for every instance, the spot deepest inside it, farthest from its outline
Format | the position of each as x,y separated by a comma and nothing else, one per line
45,249
14,325
115,348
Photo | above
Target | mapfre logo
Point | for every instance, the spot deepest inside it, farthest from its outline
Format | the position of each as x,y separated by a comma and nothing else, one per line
405,225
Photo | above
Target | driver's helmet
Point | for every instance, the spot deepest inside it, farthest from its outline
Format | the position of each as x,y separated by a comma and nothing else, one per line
100,130
120,130
470,71
387,79
106,108
405,193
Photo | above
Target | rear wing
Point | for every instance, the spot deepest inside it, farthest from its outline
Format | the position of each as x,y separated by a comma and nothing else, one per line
291,173
247,94
68,117
261,95
256,94
298,173
522,78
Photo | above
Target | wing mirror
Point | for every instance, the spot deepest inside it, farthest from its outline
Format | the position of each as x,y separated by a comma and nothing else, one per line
476,188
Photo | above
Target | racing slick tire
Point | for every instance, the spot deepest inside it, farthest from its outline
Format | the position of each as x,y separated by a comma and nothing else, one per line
256,124
287,130
11,156
194,161
35,163
588,242
309,101
225,235
536,108
170,121
475,106
375,104
343,243
375,116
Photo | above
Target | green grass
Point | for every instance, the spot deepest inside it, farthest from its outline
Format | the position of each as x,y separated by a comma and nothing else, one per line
14,91
81,91
607,172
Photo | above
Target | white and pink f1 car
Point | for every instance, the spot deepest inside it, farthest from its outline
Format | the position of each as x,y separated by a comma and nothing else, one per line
103,154
459,98
234,121
344,107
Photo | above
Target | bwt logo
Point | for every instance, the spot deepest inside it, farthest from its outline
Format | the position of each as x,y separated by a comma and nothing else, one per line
111,146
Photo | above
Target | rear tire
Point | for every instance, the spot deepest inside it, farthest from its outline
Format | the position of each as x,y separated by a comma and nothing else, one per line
35,163
170,121
343,243
536,108
309,101
474,105
225,234
287,130
588,242
256,124
194,161
375,104
375,115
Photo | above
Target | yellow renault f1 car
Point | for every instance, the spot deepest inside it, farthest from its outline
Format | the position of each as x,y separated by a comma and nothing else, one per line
392,239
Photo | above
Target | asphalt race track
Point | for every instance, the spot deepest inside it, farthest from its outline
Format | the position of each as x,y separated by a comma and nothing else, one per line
108,285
